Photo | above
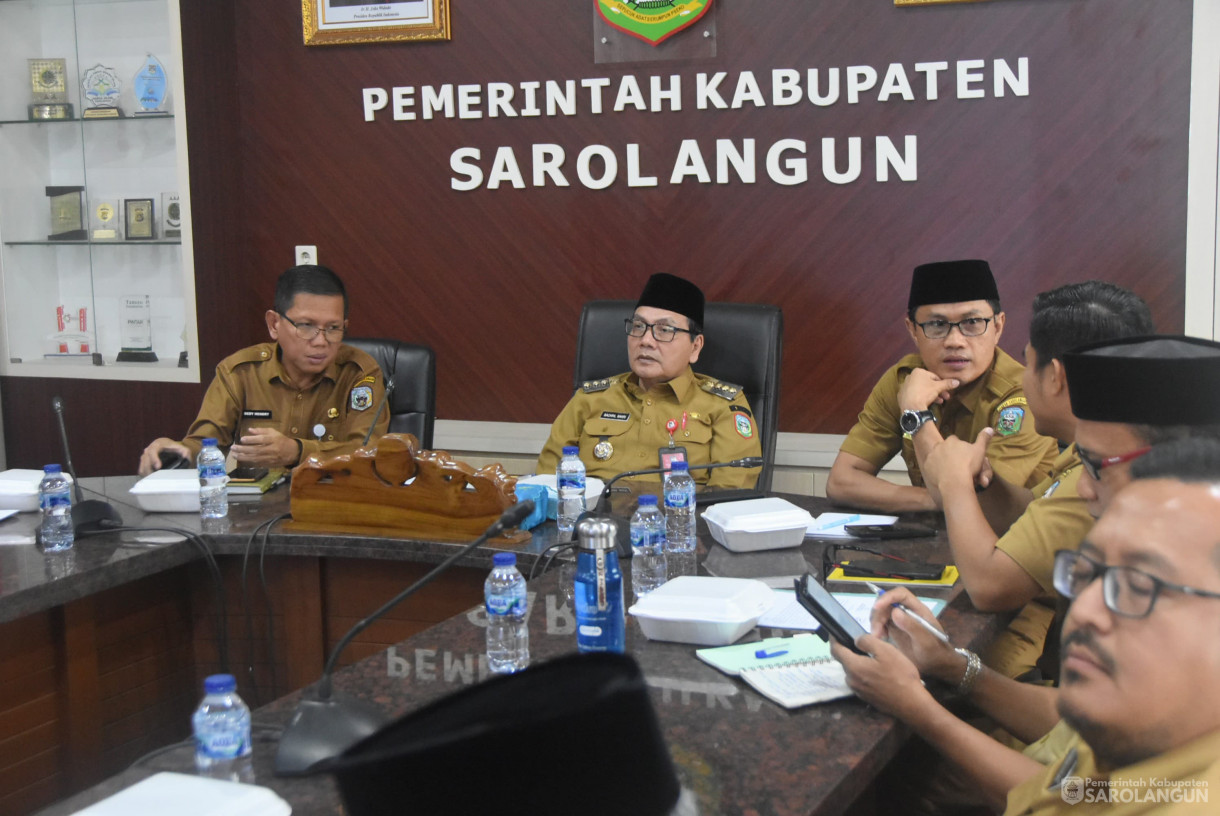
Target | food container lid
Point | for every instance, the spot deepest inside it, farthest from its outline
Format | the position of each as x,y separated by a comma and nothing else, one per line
702,598
758,515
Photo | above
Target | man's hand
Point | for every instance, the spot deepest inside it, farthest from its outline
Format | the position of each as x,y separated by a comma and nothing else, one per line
266,447
931,656
150,459
957,459
885,678
922,388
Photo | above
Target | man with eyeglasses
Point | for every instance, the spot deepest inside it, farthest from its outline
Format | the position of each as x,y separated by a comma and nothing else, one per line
304,393
958,383
1140,714
627,422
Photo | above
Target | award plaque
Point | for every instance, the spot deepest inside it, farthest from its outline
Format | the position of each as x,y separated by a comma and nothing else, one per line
67,214
150,86
171,216
102,88
49,86
104,219
135,340
138,218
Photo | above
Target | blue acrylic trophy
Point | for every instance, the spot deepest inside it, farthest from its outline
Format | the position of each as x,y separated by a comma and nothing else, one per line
150,87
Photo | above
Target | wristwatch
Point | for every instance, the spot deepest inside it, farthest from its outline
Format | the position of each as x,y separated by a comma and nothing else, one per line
912,421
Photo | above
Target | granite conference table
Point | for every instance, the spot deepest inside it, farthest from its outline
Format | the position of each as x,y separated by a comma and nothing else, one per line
734,750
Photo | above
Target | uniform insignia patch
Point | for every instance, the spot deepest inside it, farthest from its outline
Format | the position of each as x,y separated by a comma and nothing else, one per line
253,413
1050,491
603,450
744,426
1010,420
616,415
369,379
362,398
742,409
593,386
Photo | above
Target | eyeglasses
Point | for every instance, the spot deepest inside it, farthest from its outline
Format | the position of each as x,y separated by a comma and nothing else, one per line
1127,591
970,327
308,331
1094,465
661,332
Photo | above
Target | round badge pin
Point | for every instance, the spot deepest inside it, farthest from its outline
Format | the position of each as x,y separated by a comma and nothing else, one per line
603,450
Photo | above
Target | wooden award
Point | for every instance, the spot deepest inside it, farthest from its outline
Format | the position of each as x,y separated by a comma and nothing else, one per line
367,492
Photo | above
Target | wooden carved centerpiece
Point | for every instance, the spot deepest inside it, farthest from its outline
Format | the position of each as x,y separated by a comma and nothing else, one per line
396,489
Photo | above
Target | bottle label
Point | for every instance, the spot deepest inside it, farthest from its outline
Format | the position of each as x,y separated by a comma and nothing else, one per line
503,604
572,480
677,498
221,744
48,501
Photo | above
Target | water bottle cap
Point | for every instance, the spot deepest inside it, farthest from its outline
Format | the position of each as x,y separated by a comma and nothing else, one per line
504,559
678,466
219,683
209,442
648,500
52,469
571,450
596,533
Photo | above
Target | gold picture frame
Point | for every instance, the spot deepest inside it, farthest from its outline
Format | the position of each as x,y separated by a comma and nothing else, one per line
348,22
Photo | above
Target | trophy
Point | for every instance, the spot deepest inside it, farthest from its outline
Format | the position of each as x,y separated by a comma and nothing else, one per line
138,218
49,85
105,219
150,86
135,340
171,216
102,88
67,214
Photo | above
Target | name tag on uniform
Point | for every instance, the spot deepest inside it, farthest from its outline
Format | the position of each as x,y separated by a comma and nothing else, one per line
616,416
249,414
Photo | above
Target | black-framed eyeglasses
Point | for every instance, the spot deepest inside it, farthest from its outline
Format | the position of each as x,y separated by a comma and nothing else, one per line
1127,591
308,331
970,327
661,332
1094,465
830,560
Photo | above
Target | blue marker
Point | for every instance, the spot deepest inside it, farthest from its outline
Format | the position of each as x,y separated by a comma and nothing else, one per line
941,636
762,653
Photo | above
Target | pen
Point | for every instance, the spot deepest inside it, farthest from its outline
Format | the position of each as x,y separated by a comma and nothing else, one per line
841,523
761,653
941,636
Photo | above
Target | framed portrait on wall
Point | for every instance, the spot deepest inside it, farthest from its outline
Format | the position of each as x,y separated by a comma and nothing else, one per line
347,22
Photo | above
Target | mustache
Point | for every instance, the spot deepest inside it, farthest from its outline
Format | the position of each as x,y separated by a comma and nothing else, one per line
1086,639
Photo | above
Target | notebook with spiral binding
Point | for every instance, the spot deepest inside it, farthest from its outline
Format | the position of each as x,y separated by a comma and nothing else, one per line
791,671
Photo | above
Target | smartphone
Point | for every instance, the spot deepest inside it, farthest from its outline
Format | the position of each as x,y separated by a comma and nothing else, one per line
879,531
247,474
835,621
885,568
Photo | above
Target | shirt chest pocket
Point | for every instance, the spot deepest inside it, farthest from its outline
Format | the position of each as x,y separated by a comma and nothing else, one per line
600,427
698,432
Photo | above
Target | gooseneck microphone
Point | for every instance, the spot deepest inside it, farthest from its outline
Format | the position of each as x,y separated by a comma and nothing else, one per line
385,398
326,722
87,516
746,462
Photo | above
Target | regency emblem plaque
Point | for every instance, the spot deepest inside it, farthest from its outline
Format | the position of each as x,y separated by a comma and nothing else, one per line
49,90
102,88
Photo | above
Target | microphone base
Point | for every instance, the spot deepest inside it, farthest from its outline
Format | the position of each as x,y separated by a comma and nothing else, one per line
94,516
322,729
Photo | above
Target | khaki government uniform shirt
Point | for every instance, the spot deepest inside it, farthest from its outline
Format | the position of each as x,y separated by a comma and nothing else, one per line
720,427
251,387
1057,519
1017,454
1182,781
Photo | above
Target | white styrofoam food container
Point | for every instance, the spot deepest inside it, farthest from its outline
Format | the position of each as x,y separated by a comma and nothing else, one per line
19,489
593,490
757,524
702,610
168,491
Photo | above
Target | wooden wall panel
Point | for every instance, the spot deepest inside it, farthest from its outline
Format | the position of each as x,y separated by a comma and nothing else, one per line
1085,177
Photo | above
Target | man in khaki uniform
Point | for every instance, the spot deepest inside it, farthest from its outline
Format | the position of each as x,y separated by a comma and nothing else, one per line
305,393
1004,538
958,383
626,422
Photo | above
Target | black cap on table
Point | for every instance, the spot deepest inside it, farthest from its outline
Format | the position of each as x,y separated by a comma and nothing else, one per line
1153,380
673,294
951,282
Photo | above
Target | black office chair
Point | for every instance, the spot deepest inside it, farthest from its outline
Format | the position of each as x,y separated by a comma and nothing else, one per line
412,369
743,344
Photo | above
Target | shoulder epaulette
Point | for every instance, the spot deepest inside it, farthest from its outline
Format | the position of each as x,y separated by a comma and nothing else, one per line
593,386
250,354
721,389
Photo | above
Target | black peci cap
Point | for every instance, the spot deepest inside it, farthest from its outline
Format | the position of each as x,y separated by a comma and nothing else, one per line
1153,380
673,294
467,752
951,282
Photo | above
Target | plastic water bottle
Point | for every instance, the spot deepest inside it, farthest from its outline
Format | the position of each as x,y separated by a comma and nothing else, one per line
601,623
570,478
213,497
647,547
55,499
222,732
679,509
508,634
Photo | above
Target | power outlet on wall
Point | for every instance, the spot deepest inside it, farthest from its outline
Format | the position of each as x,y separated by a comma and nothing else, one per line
306,254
